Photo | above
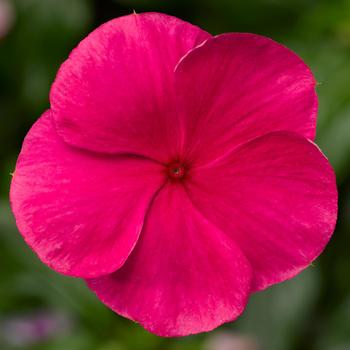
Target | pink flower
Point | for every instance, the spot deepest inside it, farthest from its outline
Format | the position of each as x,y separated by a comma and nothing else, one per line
7,14
176,172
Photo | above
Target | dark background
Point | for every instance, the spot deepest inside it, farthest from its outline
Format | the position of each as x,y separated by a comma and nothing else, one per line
40,309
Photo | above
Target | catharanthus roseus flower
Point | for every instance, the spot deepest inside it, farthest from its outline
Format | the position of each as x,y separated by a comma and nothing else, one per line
176,172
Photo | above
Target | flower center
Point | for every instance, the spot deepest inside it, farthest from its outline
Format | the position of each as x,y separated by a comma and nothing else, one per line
176,171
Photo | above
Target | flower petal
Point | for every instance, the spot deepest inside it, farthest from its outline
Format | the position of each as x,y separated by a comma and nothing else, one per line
184,276
239,86
277,197
80,212
115,93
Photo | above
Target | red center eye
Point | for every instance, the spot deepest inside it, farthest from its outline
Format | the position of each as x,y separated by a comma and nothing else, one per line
176,170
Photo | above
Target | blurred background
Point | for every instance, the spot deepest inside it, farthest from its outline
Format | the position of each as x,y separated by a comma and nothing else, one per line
40,309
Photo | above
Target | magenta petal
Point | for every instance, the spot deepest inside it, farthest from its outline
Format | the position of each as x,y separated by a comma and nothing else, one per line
276,197
115,93
236,87
80,212
184,276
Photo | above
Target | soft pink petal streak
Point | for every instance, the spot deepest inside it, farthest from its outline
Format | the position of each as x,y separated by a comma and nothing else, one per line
115,93
184,276
81,212
236,87
276,197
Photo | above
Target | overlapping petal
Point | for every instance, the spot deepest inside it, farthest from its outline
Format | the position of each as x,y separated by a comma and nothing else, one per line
81,212
276,197
115,93
236,87
185,276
